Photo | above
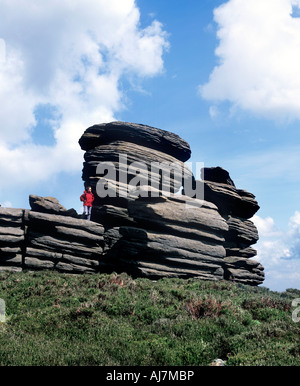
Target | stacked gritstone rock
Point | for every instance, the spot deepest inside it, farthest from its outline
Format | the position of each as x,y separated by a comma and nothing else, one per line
56,240
236,206
12,239
175,237
104,143
153,236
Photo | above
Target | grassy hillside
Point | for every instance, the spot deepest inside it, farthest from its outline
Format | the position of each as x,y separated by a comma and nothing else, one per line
61,319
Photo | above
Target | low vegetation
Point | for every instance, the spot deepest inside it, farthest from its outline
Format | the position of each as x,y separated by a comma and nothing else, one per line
59,319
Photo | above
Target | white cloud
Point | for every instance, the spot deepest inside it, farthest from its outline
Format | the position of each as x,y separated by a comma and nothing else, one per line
213,111
266,226
16,113
294,227
7,204
272,245
259,58
71,55
279,252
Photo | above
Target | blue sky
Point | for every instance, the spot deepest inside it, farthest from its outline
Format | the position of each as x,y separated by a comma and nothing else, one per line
221,74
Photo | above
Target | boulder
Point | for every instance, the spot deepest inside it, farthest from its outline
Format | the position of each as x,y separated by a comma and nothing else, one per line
139,134
216,174
49,205
230,200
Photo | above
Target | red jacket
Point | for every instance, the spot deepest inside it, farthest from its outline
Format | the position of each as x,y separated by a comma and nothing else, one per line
87,198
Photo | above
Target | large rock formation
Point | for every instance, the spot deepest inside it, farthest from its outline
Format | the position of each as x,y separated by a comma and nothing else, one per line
141,222
172,235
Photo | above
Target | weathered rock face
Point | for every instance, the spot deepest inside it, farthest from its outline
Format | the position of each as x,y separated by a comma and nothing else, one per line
174,240
230,200
136,156
33,239
237,207
63,243
133,150
12,239
143,135
146,229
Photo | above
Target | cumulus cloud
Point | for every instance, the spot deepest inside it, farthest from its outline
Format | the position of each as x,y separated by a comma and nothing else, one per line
272,246
279,252
294,227
70,55
258,58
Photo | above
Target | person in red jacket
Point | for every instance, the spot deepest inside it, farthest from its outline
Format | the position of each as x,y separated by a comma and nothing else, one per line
87,197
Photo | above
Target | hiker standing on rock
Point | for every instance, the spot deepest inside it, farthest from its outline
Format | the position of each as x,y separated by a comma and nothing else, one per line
87,197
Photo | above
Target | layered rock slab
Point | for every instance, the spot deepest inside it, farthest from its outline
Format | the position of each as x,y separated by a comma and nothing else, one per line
174,239
236,206
12,239
143,135
162,170
64,243
243,270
